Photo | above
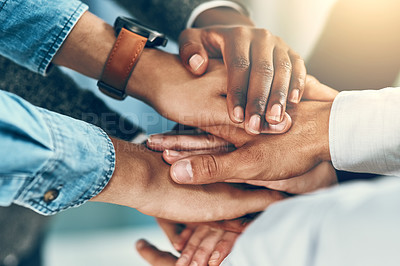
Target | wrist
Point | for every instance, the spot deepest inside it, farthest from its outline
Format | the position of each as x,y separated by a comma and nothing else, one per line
87,47
323,126
155,73
222,16
127,184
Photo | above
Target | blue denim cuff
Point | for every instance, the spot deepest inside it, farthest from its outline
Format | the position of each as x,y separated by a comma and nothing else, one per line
82,163
31,32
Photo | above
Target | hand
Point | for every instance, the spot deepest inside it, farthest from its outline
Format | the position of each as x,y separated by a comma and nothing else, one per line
160,80
202,243
262,71
262,158
154,256
141,181
181,145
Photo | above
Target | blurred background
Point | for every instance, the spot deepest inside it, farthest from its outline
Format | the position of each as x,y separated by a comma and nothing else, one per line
350,44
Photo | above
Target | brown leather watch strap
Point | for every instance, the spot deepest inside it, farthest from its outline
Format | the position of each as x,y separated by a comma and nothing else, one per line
120,63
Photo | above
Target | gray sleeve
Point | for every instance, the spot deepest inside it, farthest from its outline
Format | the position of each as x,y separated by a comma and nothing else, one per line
167,16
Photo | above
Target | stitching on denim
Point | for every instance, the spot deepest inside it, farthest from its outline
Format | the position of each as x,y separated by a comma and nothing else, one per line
51,164
107,174
58,36
3,5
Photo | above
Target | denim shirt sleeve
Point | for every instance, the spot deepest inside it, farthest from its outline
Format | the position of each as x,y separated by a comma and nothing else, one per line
32,31
44,152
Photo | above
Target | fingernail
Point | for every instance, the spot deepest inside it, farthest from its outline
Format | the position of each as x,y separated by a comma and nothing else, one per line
177,246
155,139
295,96
183,171
278,128
276,113
194,263
254,124
141,244
238,114
215,256
183,260
196,61
171,153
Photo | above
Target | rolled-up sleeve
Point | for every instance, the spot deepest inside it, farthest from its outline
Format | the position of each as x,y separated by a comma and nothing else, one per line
50,162
32,31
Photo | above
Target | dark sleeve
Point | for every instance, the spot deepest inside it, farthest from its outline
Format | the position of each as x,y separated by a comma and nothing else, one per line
59,93
344,176
167,16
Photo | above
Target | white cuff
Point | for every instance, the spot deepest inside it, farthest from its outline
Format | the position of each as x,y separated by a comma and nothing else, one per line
213,4
364,131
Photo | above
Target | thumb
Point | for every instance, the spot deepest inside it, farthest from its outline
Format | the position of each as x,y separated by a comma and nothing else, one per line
316,91
153,255
204,169
192,52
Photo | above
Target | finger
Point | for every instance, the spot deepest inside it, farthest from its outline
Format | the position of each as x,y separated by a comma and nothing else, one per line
323,175
154,256
206,247
192,52
175,232
237,59
171,156
187,253
205,169
316,91
163,142
223,248
183,238
262,73
171,231
280,87
280,128
298,80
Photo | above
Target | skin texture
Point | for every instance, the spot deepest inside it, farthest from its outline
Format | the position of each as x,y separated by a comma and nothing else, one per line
263,72
169,88
179,96
304,147
141,181
198,242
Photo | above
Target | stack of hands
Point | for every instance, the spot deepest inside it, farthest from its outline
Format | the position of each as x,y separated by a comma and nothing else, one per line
261,135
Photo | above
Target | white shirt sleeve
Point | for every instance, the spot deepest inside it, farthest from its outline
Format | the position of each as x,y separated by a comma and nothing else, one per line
353,224
364,131
213,4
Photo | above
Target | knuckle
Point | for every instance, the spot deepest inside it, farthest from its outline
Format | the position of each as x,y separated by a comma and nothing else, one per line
240,30
263,33
202,251
259,104
189,249
189,45
264,67
285,66
237,93
208,166
300,83
281,94
241,64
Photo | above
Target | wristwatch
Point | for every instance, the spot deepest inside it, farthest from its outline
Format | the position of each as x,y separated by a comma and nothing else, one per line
132,38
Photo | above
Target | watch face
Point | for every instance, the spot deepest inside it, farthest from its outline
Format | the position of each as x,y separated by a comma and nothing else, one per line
154,38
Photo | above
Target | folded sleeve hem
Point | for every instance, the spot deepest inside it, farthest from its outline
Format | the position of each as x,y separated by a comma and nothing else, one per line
46,54
80,168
